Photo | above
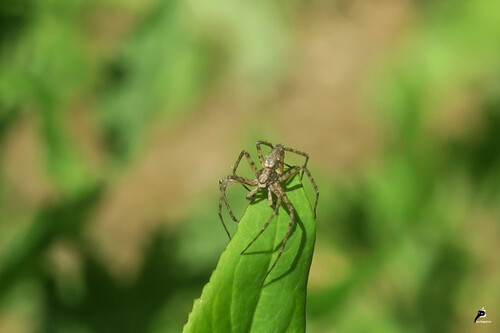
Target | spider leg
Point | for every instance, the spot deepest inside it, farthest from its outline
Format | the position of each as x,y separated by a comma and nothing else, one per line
281,195
250,161
223,199
275,210
301,153
222,186
296,169
315,188
259,150
252,193
289,173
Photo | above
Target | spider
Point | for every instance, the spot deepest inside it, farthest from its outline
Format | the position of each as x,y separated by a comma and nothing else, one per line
269,178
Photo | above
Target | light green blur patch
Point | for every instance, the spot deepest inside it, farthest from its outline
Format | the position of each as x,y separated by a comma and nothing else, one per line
234,300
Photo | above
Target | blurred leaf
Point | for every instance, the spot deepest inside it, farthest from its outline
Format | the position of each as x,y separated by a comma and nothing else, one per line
234,300
154,301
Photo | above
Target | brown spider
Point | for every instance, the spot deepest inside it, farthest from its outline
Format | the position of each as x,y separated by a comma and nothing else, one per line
268,178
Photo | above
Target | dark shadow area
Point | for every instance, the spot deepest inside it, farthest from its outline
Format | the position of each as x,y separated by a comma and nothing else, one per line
436,306
480,157
110,306
14,19
65,219
353,223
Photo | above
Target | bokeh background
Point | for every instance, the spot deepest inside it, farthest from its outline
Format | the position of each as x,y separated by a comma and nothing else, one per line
117,118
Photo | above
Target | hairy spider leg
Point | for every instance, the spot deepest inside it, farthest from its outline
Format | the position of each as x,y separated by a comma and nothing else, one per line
250,161
296,169
223,199
259,150
251,194
222,186
301,153
281,194
315,187
275,210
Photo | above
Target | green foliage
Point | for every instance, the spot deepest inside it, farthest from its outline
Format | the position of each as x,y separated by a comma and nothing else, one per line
234,300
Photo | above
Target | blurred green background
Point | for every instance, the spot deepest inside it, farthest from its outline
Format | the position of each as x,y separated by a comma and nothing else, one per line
118,118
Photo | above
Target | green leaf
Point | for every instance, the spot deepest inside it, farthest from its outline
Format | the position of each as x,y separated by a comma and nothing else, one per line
234,300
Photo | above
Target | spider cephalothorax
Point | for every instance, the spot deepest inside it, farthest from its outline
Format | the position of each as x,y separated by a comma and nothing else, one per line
268,178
